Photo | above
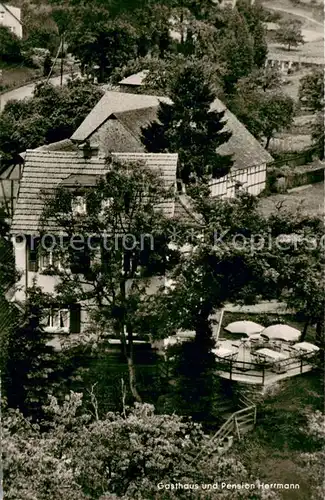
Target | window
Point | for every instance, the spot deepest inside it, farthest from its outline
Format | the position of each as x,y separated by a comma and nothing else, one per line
63,320
105,205
2,14
32,255
48,259
79,206
57,320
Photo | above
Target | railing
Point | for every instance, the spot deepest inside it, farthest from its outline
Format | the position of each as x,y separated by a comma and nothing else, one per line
261,371
236,425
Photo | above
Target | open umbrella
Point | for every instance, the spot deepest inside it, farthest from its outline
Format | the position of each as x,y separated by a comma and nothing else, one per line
246,327
281,332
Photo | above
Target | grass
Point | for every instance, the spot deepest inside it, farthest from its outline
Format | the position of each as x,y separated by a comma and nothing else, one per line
272,452
17,75
310,200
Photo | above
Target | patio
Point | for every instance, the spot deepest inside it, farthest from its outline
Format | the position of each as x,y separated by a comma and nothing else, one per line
262,362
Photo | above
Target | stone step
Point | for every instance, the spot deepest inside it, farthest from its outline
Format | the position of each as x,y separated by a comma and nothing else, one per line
244,429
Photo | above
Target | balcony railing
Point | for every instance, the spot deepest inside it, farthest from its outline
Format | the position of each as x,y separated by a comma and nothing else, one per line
262,370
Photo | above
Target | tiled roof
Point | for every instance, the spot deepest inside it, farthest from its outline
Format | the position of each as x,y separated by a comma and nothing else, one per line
45,170
135,111
64,145
111,103
246,151
135,79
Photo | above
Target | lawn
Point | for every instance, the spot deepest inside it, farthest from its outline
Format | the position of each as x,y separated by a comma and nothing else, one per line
15,76
310,200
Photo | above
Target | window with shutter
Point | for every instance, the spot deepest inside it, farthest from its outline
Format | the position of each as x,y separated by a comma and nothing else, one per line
32,251
57,321
75,318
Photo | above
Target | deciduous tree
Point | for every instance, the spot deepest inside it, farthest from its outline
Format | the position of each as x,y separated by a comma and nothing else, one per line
289,34
311,90
110,278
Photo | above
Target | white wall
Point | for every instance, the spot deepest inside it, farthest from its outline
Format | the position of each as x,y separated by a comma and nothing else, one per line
9,20
253,180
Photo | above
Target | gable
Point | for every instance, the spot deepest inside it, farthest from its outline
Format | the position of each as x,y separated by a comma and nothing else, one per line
112,103
45,170
135,111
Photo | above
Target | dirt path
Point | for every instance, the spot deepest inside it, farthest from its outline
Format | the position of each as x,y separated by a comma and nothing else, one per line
295,13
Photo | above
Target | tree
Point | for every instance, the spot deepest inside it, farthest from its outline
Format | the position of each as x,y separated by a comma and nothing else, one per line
254,15
134,455
97,40
311,90
110,277
189,128
263,112
51,115
10,48
236,257
32,369
236,50
289,33
318,134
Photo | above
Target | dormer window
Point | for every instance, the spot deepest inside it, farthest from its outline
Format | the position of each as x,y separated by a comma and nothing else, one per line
79,205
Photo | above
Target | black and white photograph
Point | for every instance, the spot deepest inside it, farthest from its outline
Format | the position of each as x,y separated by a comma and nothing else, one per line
162,250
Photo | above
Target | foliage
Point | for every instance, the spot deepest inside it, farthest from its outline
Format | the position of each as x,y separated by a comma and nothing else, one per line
189,128
49,116
236,50
32,369
311,90
263,112
255,16
123,456
97,40
289,33
318,133
10,47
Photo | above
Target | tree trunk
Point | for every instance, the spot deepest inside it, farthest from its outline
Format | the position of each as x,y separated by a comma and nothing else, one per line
304,332
268,140
132,380
320,333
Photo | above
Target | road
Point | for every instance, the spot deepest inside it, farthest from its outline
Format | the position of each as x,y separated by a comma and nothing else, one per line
27,90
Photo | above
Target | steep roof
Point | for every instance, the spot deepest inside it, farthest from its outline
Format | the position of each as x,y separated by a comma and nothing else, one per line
135,79
45,170
246,151
111,103
135,111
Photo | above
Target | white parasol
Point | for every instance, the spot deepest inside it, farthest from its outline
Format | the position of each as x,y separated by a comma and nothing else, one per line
281,332
246,327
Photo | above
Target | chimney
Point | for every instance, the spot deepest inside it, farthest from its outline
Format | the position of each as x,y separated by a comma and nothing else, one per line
89,150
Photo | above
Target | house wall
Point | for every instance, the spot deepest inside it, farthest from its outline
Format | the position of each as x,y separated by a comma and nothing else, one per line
27,278
9,20
113,137
253,180
48,283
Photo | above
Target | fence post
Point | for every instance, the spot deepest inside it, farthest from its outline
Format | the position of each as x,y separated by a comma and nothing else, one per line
263,375
230,377
301,364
